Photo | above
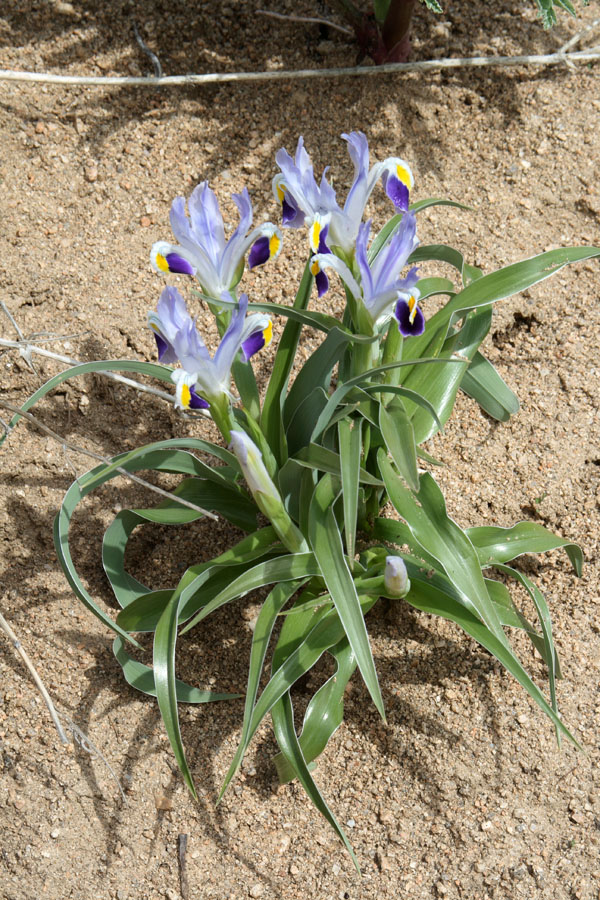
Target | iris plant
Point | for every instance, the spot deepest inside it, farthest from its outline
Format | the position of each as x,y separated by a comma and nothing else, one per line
319,456
202,250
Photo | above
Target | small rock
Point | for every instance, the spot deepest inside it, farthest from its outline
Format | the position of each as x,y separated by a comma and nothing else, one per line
40,128
145,222
65,9
163,802
55,833
293,869
336,869
257,890
91,174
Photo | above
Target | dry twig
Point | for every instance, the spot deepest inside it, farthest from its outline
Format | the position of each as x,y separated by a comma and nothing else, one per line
38,681
428,65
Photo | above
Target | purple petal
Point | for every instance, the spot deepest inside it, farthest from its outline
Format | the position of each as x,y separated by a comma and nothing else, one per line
397,192
178,265
166,353
196,401
253,344
322,282
260,252
402,312
323,248
290,212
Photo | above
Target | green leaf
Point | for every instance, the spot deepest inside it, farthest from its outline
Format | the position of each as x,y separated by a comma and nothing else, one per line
392,224
349,438
209,578
430,599
515,278
271,418
263,630
315,373
111,365
496,545
327,631
245,381
342,389
443,253
324,713
326,544
440,386
435,533
399,438
304,418
549,650
311,318
314,456
283,568
482,382
141,678
282,715
165,638
380,8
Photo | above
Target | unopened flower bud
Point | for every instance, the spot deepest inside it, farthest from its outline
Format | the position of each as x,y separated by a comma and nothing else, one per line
265,493
396,577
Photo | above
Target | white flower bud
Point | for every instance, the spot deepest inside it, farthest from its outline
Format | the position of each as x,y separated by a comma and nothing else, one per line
396,577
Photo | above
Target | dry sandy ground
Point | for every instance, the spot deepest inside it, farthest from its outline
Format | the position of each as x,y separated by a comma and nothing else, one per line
464,793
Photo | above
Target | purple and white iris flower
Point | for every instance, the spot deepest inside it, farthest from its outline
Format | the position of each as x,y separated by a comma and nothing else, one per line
379,286
201,248
204,378
305,202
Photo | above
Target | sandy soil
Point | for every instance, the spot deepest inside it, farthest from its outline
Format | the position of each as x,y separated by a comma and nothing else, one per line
464,793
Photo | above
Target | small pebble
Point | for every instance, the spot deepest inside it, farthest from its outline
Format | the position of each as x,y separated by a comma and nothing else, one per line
55,833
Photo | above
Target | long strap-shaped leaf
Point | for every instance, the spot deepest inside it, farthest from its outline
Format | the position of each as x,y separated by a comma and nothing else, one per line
165,639
499,545
141,678
428,598
342,389
263,630
326,543
326,633
107,365
282,715
283,568
324,713
484,384
142,608
151,456
432,529
541,607
271,418
349,434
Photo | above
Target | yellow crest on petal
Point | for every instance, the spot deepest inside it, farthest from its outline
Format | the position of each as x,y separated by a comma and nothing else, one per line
315,234
404,175
162,263
186,396
268,333
274,245
314,267
412,305
280,192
